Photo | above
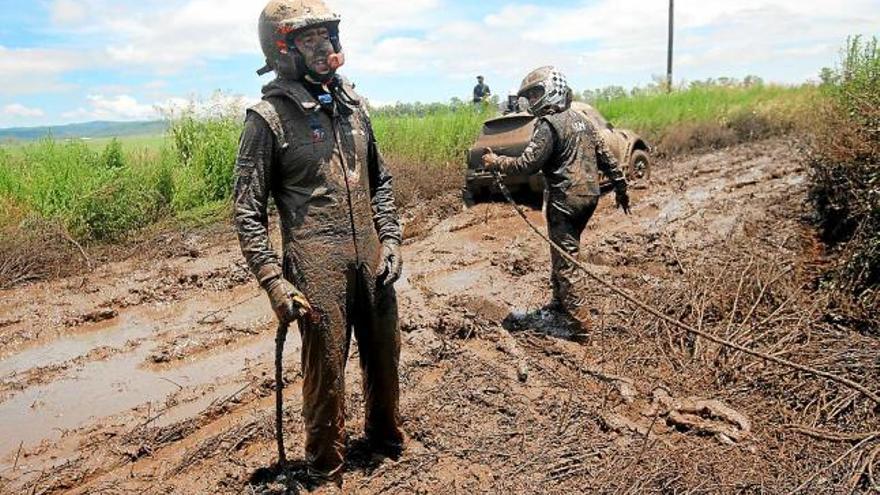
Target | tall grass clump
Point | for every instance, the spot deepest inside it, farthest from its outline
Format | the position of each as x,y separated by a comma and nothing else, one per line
205,147
93,194
425,146
429,135
706,114
845,165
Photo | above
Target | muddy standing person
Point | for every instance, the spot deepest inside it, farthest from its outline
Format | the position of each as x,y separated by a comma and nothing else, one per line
569,151
309,144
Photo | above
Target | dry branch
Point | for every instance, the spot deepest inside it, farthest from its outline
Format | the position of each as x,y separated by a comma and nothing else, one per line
679,324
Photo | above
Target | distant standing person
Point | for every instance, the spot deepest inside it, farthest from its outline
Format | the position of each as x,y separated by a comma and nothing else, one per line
570,152
481,91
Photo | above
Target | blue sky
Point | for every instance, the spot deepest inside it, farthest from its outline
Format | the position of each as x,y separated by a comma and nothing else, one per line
67,61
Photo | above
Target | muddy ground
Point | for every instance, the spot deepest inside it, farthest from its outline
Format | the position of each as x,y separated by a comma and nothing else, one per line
154,374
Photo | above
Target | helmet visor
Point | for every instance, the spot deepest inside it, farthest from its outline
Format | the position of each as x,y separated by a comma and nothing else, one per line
533,94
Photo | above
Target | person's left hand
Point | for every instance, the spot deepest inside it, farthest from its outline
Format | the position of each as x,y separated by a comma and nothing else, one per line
490,159
392,263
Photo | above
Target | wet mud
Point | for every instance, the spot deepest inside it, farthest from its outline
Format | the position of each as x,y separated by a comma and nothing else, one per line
157,377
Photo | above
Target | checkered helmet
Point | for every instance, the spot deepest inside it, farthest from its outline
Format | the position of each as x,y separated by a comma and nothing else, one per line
556,95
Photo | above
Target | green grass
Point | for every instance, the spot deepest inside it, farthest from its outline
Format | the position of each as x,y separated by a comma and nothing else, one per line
103,189
131,143
144,141
437,135
656,112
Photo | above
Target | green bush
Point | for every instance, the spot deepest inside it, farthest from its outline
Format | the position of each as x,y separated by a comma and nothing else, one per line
207,146
112,157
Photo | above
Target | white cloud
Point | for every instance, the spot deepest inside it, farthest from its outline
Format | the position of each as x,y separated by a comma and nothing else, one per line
595,41
19,110
67,12
155,84
120,107
126,107
35,70
170,39
713,36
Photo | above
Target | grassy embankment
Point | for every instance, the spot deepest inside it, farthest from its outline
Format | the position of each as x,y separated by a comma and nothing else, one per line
844,160
711,115
94,193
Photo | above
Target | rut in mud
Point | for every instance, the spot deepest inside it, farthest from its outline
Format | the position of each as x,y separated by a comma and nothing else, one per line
155,375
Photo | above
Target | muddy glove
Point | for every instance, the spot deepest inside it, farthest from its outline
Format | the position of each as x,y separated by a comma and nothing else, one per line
287,301
490,160
392,263
621,196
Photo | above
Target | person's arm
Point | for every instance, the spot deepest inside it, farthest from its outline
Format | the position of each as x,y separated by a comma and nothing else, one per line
534,157
607,162
251,196
253,170
385,215
381,191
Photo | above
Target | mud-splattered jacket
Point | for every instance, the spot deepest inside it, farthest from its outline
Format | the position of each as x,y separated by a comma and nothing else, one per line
329,181
569,150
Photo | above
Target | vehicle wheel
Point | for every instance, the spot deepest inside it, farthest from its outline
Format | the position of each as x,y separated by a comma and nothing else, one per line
640,166
468,197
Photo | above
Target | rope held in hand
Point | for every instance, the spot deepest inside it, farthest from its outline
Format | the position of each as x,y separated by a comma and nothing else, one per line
280,338
676,323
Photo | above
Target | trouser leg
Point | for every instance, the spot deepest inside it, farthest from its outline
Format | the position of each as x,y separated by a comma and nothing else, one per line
378,336
324,351
565,223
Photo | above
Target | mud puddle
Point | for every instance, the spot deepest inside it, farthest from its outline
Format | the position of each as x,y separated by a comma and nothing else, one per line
108,387
111,387
115,333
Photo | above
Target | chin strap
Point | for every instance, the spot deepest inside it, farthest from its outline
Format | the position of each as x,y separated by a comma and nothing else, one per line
345,96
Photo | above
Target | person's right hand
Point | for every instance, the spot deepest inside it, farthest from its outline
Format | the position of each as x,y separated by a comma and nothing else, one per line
622,199
287,301
489,159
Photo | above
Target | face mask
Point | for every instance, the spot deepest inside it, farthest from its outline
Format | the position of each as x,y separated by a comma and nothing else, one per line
319,51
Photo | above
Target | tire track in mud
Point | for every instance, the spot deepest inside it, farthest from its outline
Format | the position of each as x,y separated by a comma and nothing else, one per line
472,283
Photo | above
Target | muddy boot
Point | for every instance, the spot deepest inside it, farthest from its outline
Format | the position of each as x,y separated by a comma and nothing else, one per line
315,478
579,321
390,449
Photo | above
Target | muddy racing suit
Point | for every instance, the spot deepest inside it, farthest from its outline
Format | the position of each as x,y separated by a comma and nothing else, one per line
336,205
570,152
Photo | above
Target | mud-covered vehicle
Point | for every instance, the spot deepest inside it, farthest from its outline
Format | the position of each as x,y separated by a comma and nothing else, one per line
510,134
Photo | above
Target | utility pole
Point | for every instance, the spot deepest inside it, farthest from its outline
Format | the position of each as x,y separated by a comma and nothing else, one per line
671,36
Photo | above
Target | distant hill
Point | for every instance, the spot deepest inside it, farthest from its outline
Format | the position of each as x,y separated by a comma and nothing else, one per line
98,129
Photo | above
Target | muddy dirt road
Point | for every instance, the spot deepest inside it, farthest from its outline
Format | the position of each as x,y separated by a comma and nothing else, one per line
154,375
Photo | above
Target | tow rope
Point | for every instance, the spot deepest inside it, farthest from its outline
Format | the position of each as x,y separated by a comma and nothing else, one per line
676,323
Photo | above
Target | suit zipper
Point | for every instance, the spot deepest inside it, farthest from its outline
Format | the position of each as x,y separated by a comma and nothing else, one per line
336,136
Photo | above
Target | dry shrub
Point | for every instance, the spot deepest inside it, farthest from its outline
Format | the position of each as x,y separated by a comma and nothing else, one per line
418,183
757,290
36,249
693,136
844,160
426,194
740,127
